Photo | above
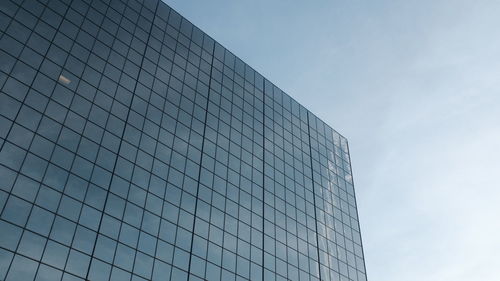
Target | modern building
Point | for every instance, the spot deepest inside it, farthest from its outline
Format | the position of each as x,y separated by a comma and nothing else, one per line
135,147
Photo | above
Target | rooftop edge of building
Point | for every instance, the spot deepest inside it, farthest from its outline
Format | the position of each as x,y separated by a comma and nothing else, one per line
343,142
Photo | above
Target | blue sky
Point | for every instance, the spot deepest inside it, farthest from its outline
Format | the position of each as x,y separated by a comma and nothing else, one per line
415,87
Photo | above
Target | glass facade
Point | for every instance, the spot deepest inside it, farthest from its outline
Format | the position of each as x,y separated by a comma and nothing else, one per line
135,147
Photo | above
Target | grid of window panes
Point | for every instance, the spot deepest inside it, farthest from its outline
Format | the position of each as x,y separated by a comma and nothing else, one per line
290,244
102,107
135,147
227,242
339,239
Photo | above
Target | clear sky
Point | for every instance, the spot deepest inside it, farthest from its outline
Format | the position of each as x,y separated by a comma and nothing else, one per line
415,87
